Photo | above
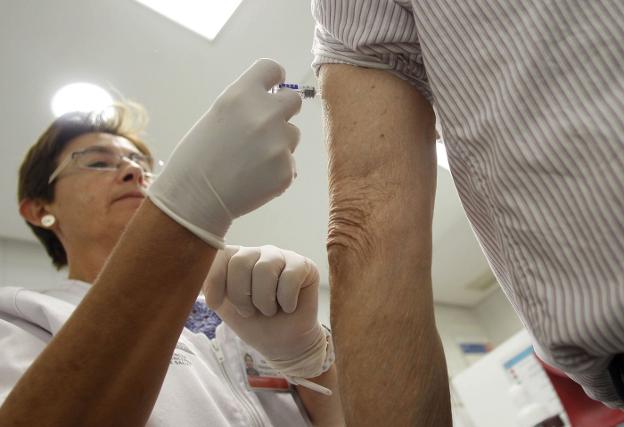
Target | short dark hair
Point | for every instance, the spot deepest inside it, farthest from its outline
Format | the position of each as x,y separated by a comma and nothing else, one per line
122,119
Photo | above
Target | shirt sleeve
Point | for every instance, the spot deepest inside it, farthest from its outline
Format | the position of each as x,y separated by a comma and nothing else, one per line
369,33
20,344
600,377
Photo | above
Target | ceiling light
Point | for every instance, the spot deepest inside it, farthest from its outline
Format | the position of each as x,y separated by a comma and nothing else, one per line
205,17
80,97
441,152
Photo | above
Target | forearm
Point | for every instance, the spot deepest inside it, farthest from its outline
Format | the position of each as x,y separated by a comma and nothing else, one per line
323,410
382,184
112,354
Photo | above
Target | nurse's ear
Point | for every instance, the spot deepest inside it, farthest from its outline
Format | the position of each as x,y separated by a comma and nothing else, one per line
36,213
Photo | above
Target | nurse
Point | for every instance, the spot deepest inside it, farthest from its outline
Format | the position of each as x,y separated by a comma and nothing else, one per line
107,347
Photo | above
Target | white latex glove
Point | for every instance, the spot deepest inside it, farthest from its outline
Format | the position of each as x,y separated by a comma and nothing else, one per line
237,157
269,297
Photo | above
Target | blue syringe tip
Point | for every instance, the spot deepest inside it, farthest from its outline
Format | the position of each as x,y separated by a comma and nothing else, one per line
306,92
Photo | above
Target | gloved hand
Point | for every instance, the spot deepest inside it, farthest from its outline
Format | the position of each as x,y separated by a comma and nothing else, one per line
237,157
269,297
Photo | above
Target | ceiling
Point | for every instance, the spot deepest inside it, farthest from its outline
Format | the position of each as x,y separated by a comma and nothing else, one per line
128,49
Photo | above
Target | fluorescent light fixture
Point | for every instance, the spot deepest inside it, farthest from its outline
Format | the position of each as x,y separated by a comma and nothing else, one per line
80,97
205,17
441,153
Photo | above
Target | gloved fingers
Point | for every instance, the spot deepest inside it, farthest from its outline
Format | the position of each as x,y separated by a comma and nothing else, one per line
285,175
313,277
265,275
214,285
290,102
293,135
298,272
264,71
308,295
239,279
307,304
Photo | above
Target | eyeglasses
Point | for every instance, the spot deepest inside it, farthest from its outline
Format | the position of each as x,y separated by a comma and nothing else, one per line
104,159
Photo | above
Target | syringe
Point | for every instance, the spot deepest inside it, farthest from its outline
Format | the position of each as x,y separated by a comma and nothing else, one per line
306,92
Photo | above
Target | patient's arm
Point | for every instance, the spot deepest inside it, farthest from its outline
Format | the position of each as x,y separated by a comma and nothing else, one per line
382,174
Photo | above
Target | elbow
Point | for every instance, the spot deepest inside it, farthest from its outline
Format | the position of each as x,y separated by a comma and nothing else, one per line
348,235
351,235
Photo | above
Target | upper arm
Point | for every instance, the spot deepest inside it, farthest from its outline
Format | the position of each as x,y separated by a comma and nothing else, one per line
375,93
376,105
380,132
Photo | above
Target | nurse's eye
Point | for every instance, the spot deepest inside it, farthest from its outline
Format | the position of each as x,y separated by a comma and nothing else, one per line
100,164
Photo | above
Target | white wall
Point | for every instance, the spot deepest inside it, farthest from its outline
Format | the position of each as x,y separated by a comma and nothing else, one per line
498,317
456,324
26,264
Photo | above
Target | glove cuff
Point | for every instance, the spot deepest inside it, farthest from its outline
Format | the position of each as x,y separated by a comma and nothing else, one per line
197,216
314,362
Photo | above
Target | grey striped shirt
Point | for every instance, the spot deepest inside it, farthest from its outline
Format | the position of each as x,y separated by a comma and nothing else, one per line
530,96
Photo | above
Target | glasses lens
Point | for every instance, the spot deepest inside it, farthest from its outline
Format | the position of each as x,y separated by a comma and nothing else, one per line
97,159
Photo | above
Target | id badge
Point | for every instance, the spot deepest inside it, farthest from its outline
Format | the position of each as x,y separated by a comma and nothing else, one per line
257,372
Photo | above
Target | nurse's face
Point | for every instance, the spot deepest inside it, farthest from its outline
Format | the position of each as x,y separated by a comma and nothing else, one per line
91,204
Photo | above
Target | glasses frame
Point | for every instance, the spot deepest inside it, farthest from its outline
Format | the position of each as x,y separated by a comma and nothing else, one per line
121,157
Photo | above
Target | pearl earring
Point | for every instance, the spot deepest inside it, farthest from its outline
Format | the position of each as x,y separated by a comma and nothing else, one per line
48,220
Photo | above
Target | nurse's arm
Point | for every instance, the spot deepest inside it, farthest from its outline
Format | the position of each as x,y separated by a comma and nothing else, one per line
107,363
